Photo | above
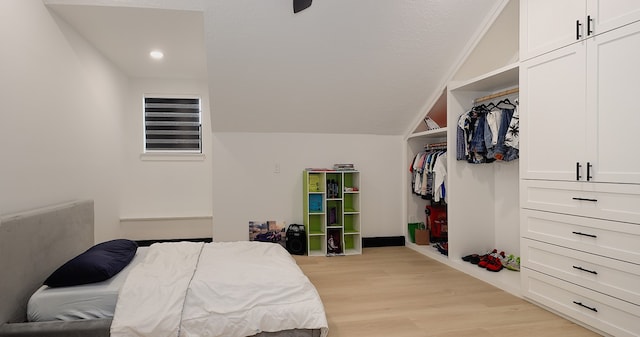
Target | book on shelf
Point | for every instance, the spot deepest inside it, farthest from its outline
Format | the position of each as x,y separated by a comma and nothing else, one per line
315,203
314,183
333,216
319,169
344,167
430,124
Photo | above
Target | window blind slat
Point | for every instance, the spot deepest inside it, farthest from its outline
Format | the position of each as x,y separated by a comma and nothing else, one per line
172,132
195,115
172,123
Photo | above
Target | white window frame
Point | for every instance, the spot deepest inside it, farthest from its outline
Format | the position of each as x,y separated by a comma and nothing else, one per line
170,152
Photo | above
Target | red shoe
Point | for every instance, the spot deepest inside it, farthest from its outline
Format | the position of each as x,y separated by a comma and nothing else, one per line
484,260
496,263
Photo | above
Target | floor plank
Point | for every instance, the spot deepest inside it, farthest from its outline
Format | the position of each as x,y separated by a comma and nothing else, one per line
395,291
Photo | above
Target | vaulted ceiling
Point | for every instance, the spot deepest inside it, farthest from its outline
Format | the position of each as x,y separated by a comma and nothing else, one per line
340,66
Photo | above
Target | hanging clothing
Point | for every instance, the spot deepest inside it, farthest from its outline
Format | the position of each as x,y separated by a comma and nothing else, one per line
440,175
477,142
425,180
487,133
462,146
512,138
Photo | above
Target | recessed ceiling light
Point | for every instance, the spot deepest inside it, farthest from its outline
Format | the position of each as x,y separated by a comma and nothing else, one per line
156,54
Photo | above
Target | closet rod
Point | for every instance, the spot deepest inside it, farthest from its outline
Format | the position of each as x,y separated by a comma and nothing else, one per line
496,95
434,146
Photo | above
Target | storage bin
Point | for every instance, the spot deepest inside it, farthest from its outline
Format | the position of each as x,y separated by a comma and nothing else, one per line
422,236
412,230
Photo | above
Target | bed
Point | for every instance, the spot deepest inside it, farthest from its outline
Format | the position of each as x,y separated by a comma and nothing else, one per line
225,288
96,300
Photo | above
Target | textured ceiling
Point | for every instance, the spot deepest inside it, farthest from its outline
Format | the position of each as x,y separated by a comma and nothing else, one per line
126,35
340,66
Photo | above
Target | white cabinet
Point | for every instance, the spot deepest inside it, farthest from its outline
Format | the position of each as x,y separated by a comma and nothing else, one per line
581,112
604,313
595,236
587,269
617,202
580,178
612,105
580,253
553,95
550,24
546,25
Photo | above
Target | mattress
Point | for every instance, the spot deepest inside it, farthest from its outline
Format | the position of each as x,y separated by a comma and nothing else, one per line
225,289
88,301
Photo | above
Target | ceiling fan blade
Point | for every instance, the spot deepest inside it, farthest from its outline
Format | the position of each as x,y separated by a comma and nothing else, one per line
299,5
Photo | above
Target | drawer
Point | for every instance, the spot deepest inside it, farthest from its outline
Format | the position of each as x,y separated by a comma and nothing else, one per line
608,276
613,239
600,311
619,202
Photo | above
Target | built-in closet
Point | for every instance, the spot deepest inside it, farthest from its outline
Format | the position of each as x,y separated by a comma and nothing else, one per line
580,177
569,204
482,199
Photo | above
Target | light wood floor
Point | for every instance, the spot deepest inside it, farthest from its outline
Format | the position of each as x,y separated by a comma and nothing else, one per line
397,292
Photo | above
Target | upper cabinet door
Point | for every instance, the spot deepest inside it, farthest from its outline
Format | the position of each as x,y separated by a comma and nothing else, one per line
546,25
613,115
611,14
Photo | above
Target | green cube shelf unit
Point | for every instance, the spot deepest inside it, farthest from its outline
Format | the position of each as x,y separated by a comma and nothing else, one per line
332,210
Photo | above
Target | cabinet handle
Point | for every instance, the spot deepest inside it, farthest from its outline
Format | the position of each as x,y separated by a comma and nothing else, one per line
584,234
585,199
589,26
584,306
578,25
578,166
587,270
589,177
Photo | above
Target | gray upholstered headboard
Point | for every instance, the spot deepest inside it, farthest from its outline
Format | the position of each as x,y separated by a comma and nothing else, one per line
33,244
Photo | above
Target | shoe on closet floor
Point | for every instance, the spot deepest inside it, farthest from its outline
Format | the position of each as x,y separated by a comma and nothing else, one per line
485,259
443,248
495,264
512,262
471,258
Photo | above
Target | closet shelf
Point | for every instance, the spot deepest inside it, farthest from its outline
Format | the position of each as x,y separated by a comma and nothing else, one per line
498,79
436,133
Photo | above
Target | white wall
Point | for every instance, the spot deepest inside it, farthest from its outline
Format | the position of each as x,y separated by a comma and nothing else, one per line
71,128
245,186
164,186
60,123
497,48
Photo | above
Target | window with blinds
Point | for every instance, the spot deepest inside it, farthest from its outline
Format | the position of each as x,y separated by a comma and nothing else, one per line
172,124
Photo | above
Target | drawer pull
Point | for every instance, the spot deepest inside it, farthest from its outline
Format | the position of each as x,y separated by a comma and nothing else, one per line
583,234
587,270
585,199
584,306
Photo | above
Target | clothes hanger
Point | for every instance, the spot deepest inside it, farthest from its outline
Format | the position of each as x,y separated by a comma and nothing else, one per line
506,102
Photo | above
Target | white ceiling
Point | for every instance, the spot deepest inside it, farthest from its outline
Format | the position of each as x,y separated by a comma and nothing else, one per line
126,35
340,66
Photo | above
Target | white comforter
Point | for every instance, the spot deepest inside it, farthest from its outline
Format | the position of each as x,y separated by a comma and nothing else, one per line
216,289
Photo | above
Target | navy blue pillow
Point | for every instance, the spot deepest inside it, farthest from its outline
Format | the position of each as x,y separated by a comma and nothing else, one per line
98,263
